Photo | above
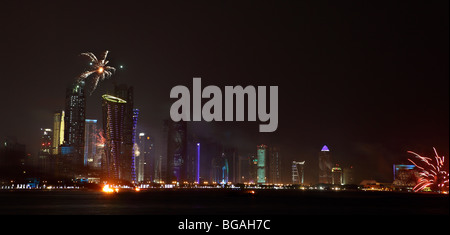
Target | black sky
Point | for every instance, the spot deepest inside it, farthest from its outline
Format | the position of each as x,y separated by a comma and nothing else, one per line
369,79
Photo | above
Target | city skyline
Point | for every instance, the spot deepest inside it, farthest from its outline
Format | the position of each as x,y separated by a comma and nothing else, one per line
371,87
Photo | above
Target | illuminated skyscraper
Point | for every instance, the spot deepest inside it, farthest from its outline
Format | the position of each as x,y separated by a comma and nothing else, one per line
58,131
261,154
197,175
337,177
139,158
113,124
325,166
298,177
133,140
74,121
90,142
144,159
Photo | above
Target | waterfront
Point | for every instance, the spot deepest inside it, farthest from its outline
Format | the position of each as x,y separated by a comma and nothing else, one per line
220,202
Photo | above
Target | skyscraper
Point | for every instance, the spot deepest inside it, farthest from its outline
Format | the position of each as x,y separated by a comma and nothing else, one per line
337,177
127,171
261,154
298,177
325,166
176,150
133,140
113,124
349,176
74,121
197,172
90,142
58,131
45,161
144,158
274,166
220,169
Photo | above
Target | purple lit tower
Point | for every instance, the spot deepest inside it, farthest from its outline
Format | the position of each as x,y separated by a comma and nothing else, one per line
197,178
325,176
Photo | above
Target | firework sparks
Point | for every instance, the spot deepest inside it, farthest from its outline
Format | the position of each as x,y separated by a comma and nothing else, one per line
431,173
99,69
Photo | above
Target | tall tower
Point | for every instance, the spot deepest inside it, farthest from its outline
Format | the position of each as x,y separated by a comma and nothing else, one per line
90,142
261,154
274,166
45,151
337,177
197,175
176,151
325,166
134,140
74,121
58,131
113,124
128,171
298,178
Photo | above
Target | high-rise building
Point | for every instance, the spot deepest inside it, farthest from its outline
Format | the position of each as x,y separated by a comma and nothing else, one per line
336,175
90,143
144,158
274,171
220,169
298,175
45,161
134,140
12,158
74,121
176,150
349,175
325,166
261,154
58,131
127,171
252,168
113,124
197,172
138,159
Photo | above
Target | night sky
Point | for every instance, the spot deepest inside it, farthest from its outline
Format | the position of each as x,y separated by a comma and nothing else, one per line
369,79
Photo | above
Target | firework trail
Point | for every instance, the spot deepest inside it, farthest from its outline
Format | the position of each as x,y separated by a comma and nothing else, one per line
431,174
99,69
101,141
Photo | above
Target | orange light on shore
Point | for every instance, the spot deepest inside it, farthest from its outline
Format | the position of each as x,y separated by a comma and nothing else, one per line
137,189
100,70
107,189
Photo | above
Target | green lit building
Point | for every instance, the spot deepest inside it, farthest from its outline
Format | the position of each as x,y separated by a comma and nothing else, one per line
261,155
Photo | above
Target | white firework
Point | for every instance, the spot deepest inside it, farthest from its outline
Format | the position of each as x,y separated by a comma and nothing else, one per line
99,69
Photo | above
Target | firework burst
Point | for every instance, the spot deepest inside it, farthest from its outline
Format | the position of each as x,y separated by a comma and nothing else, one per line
431,173
99,69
